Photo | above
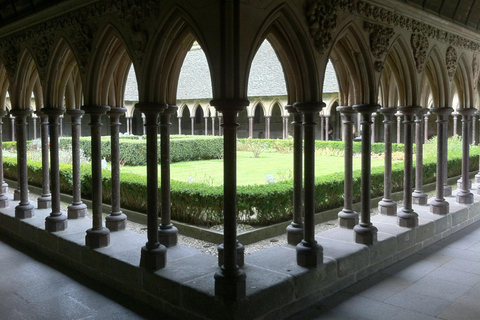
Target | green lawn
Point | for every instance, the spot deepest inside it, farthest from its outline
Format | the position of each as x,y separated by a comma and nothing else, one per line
250,170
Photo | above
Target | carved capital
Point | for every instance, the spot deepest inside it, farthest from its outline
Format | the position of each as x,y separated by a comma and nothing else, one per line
322,20
420,45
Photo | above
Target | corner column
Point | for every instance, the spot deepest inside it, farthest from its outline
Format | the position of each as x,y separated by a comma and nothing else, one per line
295,229
24,209
347,217
464,195
56,221
167,232
365,232
77,209
418,196
407,217
116,220
439,205
154,254
45,199
98,236
387,206
309,252
230,280
4,186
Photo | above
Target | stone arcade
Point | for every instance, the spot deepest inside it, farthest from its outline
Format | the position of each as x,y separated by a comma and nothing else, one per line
391,57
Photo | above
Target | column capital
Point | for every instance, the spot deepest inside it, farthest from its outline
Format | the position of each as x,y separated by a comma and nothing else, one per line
74,113
466,112
408,112
114,114
347,113
442,113
309,107
50,111
171,109
223,105
150,111
95,110
422,112
291,109
20,113
388,113
366,109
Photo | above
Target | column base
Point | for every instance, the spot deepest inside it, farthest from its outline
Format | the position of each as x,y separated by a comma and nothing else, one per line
447,190
24,211
97,238
459,184
387,207
294,234
153,259
347,219
75,211
3,201
168,235
240,254
16,195
44,202
116,221
407,218
230,284
4,187
365,234
464,197
420,198
439,207
309,255
477,178
56,223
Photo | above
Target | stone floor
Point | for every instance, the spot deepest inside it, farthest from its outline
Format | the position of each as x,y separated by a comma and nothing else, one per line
438,282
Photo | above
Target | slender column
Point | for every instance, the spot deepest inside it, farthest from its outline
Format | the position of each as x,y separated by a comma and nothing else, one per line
286,127
309,252
439,205
365,232
45,199
116,220
387,206
154,254
455,122
179,125
230,279
192,125
464,195
477,176
407,217
447,189
34,121
213,125
295,229
61,126
220,122
144,128
374,116
77,209
250,127
474,130
322,128
347,217
327,125
12,119
399,126
128,124
97,236
418,196
426,125
267,127
56,221
167,233
3,189
24,209
206,125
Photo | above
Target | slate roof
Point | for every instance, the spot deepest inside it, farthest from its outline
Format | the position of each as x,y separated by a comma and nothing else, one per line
266,77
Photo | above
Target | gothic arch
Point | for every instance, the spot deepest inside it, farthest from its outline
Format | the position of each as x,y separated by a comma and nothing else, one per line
25,79
462,83
4,85
435,74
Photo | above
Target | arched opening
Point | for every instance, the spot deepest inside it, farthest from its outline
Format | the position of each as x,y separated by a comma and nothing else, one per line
199,122
259,122
185,122
276,122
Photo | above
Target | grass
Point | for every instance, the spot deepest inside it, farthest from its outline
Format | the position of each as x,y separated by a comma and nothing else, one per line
250,170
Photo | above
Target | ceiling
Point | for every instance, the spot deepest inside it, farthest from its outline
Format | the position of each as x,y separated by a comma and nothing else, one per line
12,10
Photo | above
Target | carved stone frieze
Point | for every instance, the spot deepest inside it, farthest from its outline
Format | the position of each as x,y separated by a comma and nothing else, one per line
322,20
451,62
420,45
379,38
10,59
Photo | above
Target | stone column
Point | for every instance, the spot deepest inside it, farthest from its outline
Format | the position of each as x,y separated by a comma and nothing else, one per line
77,209
179,125
98,236
60,127
387,206
230,279
56,221
116,220
144,121
250,127
4,187
220,122
374,116
447,189
473,140
45,199
365,232
464,195
407,217
34,122
399,126
426,125
418,196
327,124
24,209
477,176
285,126
267,127
213,125
455,118
206,126
347,217
322,128
154,254
192,125
128,124
12,119
167,233
309,252
439,205
295,229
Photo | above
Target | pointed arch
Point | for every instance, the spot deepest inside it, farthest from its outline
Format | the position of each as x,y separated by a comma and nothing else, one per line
436,74
462,83
25,80
4,86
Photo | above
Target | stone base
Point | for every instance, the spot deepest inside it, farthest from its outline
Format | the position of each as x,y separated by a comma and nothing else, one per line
97,238
407,218
116,221
44,202
4,187
24,211
477,178
347,219
16,195
387,207
439,207
419,198
240,254
294,234
365,234
153,259
3,201
447,191
309,256
465,197
56,223
75,211
230,285
168,236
